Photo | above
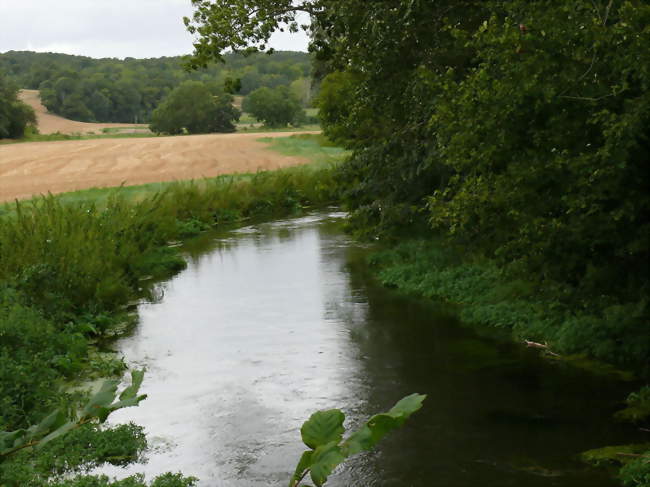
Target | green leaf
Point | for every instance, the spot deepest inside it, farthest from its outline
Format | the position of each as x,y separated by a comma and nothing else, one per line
51,422
324,460
381,424
137,376
303,464
323,427
10,440
101,400
70,425
406,406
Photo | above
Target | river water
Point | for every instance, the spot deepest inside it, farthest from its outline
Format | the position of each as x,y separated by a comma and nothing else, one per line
272,322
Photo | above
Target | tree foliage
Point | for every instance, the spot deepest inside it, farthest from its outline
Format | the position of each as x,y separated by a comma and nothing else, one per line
517,129
276,107
15,116
193,108
112,90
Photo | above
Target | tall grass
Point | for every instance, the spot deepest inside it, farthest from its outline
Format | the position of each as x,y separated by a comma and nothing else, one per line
490,296
87,254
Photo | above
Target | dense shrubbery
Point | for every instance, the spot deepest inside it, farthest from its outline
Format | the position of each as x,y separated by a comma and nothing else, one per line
194,109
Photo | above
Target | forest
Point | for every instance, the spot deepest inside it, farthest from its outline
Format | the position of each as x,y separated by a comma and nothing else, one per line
129,90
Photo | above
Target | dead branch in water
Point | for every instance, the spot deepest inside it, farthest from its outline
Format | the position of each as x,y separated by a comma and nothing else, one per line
542,346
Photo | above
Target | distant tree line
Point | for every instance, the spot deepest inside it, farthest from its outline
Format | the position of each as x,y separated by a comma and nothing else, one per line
129,90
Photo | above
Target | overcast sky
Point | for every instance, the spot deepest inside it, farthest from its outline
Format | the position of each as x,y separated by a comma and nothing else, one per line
106,28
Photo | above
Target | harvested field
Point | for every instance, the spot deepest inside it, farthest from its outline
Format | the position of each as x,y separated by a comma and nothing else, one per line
49,123
39,167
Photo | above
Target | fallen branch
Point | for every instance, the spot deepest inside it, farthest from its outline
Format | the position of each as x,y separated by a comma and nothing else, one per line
542,346
635,455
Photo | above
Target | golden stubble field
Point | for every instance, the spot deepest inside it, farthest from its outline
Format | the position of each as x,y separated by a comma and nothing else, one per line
35,168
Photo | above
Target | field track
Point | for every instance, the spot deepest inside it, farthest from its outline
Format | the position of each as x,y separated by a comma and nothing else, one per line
34,168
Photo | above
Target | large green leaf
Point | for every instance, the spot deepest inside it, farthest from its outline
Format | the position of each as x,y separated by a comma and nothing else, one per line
323,427
137,376
100,400
381,424
10,439
62,430
407,406
303,465
324,460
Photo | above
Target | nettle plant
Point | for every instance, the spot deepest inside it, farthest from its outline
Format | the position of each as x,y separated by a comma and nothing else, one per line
323,434
58,423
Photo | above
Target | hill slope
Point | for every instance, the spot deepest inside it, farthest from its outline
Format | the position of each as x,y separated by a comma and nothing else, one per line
49,123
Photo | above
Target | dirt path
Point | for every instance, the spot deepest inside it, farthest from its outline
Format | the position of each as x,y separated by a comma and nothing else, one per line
49,123
38,167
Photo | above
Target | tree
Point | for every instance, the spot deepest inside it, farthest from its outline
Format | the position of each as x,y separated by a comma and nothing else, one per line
276,107
192,108
15,115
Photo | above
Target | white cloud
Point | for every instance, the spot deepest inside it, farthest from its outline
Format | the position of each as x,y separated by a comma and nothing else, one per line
106,28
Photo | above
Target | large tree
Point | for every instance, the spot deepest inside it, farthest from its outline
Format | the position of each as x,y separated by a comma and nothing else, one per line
275,107
193,108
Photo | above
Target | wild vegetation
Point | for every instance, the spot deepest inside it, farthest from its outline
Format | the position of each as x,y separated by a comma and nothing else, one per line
69,267
512,138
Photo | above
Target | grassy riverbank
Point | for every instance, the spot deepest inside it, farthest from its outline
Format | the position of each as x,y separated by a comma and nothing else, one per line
603,337
71,266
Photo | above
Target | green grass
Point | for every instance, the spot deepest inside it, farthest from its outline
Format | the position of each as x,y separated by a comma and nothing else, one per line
112,130
247,118
315,147
59,137
253,128
489,297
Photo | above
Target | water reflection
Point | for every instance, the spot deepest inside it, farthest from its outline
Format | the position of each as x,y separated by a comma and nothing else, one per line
272,322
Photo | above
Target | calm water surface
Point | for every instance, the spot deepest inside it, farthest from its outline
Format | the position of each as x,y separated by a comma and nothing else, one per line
272,322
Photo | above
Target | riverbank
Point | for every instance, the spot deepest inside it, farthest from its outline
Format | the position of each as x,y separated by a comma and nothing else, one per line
604,340
71,267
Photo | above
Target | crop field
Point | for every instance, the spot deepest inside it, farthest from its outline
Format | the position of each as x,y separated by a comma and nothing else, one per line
40,167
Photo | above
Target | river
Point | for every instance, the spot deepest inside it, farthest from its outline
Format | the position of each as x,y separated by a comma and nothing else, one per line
272,322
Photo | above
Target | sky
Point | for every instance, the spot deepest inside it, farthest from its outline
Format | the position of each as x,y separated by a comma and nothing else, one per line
107,28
